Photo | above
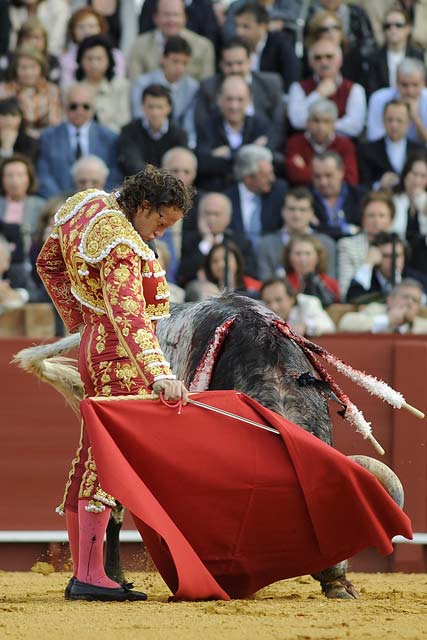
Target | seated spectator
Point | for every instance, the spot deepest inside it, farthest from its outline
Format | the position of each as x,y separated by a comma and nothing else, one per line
13,138
85,22
214,216
33,34
182,163
169,20
10,297
198,290
336,203
329,25
270,51
398,315
306,264
257,197
357,25
416,11
265,88
410,199
382,64
53,14
121,17
79,135
177,294
303,313
220,137
89,172
233,279
319,137
172,74
410,87
95,66
39,99
19,205
145,140
297,214
325,59
377,213
373,281
381,161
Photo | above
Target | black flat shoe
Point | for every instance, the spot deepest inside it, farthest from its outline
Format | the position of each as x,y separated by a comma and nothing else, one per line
67,591
84,591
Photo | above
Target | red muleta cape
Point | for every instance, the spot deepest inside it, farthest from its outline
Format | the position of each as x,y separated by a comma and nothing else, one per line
226,508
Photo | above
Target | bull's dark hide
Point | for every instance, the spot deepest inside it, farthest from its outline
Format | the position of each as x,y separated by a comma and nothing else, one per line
256,358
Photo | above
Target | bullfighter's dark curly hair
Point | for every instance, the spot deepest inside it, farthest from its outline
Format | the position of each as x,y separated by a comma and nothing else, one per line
156,186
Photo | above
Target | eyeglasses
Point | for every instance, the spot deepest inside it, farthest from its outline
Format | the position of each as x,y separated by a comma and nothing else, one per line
73,106
323,56
397,25
329,27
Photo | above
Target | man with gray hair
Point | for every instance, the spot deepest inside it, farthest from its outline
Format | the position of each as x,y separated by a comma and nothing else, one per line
410,87
400,314
89,172
319,137
258,195
325,59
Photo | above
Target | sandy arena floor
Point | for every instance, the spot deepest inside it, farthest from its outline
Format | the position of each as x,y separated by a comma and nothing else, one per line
392,606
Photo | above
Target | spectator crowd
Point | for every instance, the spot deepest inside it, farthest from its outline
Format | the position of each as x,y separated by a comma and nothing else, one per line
302,125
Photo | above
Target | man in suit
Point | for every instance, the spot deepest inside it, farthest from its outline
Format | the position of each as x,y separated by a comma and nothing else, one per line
169,18
221,136
383,63
265,88
381,161
77,136
297,214
270,51
213,219
374,281
336,203
410,87
172,74
146,139
257,198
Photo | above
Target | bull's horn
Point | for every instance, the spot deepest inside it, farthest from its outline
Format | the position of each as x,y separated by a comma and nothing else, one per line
387,478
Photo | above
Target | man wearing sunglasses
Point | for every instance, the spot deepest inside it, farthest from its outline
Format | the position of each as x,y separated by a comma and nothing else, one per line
383,63
325,59
77,136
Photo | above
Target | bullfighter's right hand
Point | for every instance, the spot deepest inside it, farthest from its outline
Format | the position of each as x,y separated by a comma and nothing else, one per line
171,390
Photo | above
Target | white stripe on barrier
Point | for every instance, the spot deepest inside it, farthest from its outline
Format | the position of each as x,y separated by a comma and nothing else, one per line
128,535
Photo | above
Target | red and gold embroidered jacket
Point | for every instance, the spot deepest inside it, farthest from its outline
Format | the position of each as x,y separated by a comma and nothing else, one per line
95,258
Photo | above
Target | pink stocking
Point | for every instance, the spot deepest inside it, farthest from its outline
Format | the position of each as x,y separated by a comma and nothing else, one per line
72,520
92,527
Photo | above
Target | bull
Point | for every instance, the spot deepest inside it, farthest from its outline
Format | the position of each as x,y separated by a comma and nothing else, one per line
256,358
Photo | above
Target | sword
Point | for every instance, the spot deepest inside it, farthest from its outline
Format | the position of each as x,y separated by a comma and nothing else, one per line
235,416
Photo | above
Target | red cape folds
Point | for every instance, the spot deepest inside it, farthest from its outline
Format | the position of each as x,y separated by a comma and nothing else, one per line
226,508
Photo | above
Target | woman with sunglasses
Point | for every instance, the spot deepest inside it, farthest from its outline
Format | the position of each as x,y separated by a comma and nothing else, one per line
397,46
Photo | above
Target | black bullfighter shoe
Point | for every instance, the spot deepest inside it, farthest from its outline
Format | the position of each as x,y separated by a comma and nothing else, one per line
83,591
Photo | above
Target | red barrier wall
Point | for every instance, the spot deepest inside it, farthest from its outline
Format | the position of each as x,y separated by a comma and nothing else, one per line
39,435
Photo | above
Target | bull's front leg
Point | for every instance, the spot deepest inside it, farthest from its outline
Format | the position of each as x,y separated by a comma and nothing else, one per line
113,565
334,582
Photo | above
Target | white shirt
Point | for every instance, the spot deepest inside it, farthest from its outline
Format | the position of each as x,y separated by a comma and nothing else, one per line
396,152
83,137
256,55
247,200
235,138
394,58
